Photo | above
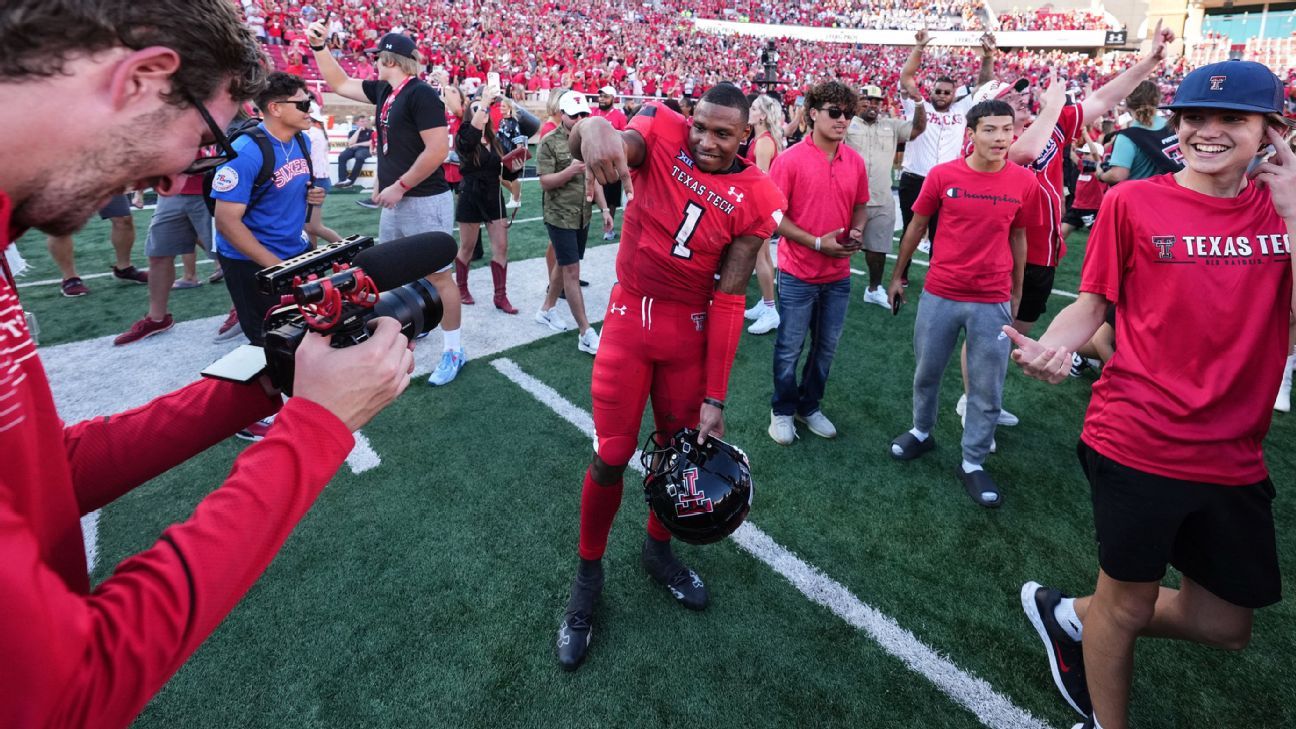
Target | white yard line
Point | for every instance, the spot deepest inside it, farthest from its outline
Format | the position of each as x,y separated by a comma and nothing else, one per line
362,456
974,694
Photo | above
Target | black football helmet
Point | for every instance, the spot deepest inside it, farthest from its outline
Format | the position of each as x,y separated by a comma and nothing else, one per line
700,493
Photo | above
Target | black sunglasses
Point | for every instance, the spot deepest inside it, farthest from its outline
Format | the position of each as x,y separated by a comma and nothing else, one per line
226,153
303,106
579,115
833,112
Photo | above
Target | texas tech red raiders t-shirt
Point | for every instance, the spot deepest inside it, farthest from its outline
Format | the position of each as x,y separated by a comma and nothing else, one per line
681,219
1203,287
972,255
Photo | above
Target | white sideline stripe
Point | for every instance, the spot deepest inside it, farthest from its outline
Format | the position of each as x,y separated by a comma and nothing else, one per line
205,261
976,695
917,262
90,531
362,456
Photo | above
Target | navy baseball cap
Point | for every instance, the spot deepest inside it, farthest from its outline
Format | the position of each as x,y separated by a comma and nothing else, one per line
1239,85
401,45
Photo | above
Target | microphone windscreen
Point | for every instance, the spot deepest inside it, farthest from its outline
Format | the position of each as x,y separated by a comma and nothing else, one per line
405,260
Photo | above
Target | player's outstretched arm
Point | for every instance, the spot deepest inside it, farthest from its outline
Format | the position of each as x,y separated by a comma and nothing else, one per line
608,154
913,63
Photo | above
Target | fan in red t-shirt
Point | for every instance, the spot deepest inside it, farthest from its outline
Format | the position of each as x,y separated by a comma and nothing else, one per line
697,218
973,285
1199,266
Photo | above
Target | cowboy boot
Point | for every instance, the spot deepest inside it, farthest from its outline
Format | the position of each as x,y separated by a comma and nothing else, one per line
500,275
461,278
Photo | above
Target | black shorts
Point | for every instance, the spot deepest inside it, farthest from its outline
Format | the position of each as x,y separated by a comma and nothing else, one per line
480,201
1037,284
1079,218
1221,537
568,243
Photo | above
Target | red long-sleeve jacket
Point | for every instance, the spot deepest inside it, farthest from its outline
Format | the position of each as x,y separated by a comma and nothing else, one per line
73,657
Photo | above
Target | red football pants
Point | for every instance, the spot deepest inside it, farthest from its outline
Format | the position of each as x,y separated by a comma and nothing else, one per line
647,347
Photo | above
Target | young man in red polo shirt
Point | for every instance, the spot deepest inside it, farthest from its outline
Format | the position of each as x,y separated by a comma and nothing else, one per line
973,285
1172,441
827,190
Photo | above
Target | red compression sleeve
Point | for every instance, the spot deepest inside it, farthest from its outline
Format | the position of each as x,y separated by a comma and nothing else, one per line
724,328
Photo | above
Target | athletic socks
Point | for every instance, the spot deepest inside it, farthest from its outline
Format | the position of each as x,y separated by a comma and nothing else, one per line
452,343
769,303
599,506
1066,616
921,436
969,467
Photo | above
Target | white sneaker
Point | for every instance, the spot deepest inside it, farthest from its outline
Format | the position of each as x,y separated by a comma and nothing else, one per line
513,203
588,341
754,313
924,245
767,322
1005,418
552,319
877,296
819,424
782,429
1283,402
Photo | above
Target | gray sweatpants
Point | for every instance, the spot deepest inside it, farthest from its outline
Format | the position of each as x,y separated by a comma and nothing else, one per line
936,332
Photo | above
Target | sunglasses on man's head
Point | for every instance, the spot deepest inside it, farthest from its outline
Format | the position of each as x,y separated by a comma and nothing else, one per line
833,112
303,106
225,152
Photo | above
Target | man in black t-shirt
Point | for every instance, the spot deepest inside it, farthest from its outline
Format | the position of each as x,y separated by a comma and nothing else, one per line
357,149
412,143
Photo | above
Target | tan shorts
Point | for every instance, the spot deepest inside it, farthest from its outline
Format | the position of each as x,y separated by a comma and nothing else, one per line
879,231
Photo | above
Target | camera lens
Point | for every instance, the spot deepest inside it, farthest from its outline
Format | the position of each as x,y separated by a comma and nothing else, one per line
416,306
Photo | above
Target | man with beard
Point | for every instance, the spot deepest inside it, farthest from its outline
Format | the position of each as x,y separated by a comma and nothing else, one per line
617,118
875,139
942,141
697,218
76,657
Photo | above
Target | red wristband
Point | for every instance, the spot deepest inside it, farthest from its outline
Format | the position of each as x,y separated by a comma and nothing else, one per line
404,187
724,329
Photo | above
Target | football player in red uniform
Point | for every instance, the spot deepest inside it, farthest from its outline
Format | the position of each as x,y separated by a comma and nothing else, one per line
697,219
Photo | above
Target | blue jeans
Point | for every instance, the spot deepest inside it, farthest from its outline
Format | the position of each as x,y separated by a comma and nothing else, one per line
820,311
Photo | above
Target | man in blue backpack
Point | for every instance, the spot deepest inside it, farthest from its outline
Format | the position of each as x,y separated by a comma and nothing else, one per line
261,208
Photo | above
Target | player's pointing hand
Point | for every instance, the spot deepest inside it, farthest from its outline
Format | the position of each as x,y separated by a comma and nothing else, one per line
1038,361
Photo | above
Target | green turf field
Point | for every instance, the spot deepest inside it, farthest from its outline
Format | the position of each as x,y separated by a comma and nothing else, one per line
426,592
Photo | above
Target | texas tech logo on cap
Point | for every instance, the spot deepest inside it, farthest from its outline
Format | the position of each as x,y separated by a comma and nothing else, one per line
1217,83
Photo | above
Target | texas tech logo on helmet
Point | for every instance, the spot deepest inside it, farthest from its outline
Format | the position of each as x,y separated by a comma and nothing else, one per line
700,493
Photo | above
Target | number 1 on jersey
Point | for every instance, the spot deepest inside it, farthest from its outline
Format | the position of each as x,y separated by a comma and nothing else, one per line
692,216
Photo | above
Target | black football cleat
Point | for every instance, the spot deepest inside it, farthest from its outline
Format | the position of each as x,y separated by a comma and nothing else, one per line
1066,657
683,583
577,627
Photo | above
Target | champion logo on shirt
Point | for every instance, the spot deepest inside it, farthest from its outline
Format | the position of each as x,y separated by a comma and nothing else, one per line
958,193
1223,250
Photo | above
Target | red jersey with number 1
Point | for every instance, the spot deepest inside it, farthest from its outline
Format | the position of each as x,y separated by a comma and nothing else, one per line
681,219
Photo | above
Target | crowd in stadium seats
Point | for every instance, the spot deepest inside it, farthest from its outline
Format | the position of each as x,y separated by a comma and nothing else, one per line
1047,18
876,15
537,45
